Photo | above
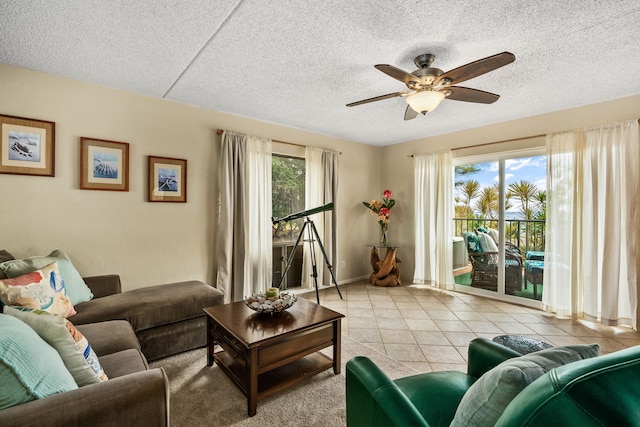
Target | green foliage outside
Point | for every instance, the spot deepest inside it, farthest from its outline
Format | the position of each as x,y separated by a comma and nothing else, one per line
287,196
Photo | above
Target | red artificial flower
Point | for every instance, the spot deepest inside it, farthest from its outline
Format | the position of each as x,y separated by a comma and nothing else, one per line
386,194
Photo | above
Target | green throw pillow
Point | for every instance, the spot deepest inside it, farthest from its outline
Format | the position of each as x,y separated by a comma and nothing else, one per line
77,289
488,397
29,367
71,345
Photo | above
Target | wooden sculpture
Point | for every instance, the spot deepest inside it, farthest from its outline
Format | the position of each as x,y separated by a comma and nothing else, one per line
385,272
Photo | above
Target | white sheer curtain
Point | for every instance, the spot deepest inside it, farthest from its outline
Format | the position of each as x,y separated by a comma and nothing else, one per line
244,222
564,150
320,188
593,273
433,175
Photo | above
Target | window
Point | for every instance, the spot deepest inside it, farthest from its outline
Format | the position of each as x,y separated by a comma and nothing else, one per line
499,218
288,192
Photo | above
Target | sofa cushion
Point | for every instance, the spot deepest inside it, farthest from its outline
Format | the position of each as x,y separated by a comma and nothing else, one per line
71,345
124,362
42,289
487,399
29,367
77,290
110,336
152,306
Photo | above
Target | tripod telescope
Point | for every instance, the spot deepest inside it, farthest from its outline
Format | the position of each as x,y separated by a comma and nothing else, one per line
312,236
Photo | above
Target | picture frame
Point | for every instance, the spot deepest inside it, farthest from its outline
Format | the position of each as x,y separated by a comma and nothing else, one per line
167,180
27,146
104,165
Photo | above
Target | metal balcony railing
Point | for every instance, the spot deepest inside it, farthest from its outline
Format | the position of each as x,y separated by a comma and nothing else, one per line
527,235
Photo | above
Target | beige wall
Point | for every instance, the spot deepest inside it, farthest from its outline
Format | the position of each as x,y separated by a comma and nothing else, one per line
120,232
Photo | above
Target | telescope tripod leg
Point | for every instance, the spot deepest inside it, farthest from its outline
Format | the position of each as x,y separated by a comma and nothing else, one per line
326,260
314,265
290,258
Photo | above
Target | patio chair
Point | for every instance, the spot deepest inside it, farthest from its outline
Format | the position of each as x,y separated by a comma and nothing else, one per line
534,270
485,264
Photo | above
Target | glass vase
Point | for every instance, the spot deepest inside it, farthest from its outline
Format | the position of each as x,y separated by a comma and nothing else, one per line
383,237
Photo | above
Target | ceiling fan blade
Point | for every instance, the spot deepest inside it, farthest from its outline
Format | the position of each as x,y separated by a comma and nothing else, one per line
398,74
477,68
410,113
377,98
459,93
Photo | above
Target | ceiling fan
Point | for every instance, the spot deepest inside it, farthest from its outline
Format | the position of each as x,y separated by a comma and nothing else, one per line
429,86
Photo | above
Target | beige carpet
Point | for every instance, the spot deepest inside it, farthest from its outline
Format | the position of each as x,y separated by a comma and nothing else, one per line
204,396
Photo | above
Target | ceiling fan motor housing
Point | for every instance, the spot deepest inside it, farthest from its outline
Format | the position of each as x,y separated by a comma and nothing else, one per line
428,76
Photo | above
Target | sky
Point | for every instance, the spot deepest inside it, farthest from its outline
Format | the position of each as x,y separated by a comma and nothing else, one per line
532,169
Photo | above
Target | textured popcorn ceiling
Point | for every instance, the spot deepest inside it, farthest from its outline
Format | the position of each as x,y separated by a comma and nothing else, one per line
298,62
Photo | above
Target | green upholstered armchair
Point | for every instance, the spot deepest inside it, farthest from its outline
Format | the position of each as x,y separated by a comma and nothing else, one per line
430,399
597,391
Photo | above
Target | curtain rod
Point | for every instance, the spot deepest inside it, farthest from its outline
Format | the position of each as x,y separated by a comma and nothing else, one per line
524,138
221,131
496,142
501,142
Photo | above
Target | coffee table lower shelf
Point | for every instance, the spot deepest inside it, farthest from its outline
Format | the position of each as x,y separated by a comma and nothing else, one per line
277,379
264,355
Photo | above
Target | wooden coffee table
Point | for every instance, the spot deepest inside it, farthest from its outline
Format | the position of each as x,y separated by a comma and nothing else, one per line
264,354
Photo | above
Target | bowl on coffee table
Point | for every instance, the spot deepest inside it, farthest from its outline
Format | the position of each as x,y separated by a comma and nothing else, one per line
266,302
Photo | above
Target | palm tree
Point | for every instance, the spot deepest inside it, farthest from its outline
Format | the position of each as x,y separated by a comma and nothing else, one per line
470,190
463,171
487,204
540,200
525,192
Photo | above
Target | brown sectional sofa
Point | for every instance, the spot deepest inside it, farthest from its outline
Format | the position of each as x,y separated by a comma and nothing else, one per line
125,330
133,395
167,319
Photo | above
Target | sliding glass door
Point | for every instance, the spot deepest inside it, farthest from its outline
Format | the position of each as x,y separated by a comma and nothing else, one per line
499,220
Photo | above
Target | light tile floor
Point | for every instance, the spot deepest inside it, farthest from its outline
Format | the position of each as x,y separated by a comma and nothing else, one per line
430,330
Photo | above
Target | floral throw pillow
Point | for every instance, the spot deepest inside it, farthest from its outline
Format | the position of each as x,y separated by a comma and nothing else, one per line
41,289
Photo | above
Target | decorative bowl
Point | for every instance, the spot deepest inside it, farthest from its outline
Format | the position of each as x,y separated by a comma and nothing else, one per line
260,303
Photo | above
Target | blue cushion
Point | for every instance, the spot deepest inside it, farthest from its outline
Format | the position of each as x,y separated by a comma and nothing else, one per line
511,262
29,367
473,245
535,255
534,266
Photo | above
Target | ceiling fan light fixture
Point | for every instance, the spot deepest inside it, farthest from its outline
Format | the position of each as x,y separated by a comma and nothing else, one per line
426,100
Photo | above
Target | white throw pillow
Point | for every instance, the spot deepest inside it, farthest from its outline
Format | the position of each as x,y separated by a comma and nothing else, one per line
486,242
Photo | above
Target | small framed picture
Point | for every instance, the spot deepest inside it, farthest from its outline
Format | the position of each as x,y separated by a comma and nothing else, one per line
27,146
104,165
167,180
